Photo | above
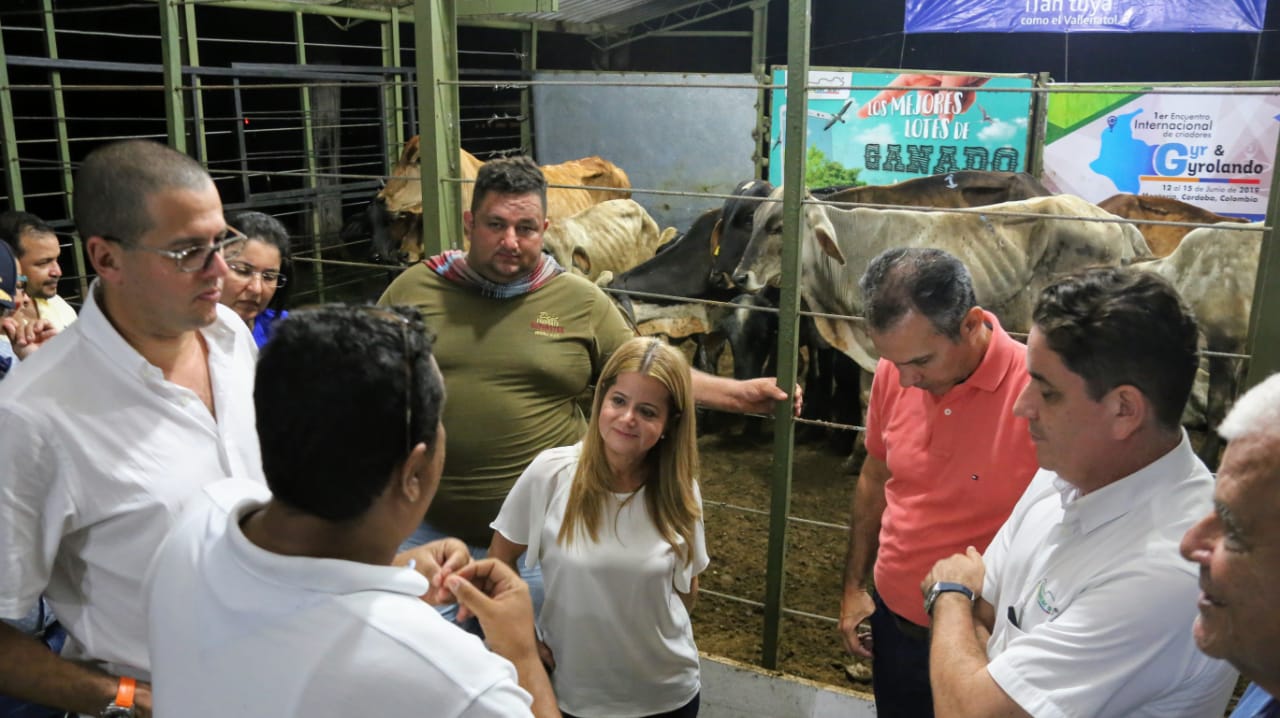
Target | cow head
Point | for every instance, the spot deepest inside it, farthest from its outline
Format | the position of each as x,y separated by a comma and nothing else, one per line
761,263
731,234
403,190
395,214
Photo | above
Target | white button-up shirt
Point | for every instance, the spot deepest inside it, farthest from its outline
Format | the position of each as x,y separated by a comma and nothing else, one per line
1093,602
98,455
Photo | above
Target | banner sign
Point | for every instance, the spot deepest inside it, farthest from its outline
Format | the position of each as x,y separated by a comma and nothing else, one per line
1215,151
946,123
1085,15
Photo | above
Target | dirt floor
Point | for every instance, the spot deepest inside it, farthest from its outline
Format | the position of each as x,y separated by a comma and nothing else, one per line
735,471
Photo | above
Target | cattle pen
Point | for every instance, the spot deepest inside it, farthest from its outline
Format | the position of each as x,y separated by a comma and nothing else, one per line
301,109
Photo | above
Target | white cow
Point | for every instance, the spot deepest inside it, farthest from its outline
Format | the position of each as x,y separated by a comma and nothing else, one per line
1011,258
612,236
1215,269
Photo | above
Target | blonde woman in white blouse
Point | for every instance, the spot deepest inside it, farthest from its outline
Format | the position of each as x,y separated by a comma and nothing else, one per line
616,523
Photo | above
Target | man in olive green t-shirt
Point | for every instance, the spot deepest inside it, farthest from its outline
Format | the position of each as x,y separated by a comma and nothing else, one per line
518,341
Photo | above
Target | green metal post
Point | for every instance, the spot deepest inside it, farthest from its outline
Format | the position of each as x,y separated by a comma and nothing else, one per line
436,33
1039,123
1264,321
393,94
788,323
759,37
64,144
8,138
197,96
528,63
171,56
309,150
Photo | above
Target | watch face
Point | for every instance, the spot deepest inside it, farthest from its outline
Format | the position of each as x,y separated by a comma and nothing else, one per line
114,711
928,601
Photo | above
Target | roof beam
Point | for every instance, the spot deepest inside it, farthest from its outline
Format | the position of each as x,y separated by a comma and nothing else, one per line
505,7
692,13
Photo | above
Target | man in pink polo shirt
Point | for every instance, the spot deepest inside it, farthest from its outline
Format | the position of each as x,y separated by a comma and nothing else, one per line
946,458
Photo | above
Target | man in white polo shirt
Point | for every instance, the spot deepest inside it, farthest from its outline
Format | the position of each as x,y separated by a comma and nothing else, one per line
286,602
1083,592
116,422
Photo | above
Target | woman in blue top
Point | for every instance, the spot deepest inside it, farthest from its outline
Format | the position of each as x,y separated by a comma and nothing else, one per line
258,273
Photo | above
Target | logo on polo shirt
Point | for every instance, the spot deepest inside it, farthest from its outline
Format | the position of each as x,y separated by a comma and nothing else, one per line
1046,600
547,325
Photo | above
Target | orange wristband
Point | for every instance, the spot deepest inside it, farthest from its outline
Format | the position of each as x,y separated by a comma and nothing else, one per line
124,692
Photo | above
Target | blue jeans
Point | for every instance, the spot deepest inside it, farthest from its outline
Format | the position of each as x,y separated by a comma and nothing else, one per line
426,533
900,666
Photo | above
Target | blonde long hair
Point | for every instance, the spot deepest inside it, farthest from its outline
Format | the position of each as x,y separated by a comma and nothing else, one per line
673,461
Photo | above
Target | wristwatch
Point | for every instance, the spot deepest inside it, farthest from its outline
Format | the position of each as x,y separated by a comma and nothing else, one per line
942,587
122,706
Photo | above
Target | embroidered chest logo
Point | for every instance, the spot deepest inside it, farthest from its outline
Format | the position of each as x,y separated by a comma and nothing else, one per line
546,325
1046,600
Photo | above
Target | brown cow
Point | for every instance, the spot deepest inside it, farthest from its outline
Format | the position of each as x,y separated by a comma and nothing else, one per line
1162,238
396,213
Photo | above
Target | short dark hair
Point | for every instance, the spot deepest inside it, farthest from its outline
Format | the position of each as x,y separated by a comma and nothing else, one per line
114,181
14,224
930,281
269,230
509,175
330,400
1114,326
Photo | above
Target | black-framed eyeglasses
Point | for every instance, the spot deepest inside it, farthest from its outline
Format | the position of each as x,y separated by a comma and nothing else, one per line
246,271
21,284
198,258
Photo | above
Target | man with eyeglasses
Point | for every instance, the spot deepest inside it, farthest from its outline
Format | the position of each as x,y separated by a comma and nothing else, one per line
115,424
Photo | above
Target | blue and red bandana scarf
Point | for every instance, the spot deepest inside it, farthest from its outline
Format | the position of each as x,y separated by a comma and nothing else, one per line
452,265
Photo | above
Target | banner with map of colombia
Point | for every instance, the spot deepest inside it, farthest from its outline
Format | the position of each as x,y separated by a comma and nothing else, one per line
1215,151
1085,15
932,124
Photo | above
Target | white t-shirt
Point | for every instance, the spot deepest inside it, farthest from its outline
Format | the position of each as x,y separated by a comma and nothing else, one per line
621,636
1102,600
100,454
239,631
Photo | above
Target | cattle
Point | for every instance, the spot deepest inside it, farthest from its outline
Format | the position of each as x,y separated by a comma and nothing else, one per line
612,236
966,188
1010,258
1215,270
1161,238
396,212
684,267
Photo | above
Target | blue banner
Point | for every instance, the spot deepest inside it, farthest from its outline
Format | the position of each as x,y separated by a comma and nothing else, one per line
1085,15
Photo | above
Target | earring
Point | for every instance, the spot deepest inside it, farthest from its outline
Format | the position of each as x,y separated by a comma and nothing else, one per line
660,438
